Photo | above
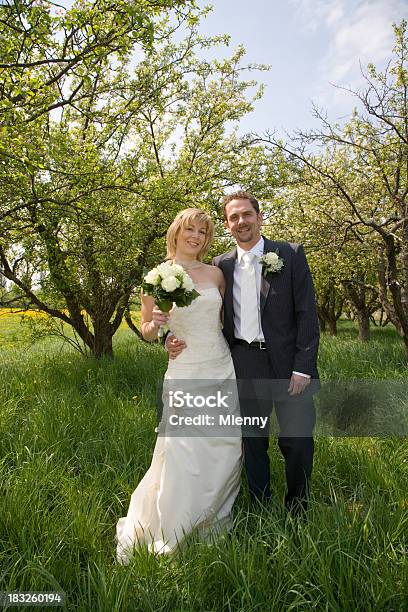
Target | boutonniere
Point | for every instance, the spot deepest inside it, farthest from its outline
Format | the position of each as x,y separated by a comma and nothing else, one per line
271,262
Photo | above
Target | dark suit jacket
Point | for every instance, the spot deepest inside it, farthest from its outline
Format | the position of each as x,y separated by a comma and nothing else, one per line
288,310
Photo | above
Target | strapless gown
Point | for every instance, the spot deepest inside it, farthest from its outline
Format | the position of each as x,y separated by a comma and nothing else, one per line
193,480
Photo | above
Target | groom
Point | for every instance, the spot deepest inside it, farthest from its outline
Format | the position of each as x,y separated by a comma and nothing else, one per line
271,326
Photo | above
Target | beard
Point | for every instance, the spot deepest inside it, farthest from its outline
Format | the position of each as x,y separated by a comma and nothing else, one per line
245,235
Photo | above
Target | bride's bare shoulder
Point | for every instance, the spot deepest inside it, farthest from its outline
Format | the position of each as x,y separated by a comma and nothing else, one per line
214,273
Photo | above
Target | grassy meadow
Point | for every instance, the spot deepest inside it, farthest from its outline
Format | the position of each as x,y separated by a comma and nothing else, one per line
77,436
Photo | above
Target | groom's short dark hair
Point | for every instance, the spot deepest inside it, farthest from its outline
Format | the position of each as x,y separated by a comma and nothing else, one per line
239,195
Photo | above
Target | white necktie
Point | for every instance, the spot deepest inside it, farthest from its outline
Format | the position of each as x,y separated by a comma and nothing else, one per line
249,300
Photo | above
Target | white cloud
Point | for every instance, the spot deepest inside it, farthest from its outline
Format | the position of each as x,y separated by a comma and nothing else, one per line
335,13
312,13
358,32
366,36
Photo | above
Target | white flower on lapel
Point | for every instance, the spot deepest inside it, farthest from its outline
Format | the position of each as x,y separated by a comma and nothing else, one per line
271,262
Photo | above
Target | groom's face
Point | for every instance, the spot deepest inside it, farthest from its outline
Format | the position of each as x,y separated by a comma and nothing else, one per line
243,222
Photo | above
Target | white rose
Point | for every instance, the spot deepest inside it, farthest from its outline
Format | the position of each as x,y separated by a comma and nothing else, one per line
170,283
169,270
164,269
177,269
272,258
188,283
152,277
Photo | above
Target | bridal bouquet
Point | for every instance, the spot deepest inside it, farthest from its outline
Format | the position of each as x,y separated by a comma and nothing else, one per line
169,283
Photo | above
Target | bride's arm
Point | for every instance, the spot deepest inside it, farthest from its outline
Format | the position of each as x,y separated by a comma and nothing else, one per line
220,281
152,318
222,291
222,285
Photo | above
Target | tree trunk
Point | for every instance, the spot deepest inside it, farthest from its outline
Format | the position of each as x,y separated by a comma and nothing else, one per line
322,324
102,344
328,318
363,300
387,282
405,339
131,325
329,307
333,326
363,320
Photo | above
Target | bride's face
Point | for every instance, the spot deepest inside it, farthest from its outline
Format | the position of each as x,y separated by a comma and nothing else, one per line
190,240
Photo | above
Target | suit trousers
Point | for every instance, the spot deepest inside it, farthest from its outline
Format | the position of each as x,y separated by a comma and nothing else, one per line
260,392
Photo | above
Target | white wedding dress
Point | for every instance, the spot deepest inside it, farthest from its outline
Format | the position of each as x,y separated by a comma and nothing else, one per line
194,477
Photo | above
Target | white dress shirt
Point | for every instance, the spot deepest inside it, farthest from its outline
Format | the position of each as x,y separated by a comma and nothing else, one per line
257,251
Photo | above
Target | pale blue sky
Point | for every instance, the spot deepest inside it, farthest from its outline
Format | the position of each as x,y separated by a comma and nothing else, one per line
309,43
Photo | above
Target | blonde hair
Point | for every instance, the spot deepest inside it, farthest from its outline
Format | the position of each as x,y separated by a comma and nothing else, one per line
181,221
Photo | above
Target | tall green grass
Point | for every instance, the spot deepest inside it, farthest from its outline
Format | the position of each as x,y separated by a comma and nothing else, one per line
77,436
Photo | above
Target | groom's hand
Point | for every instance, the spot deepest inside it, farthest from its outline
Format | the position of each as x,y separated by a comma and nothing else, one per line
298,384
174,346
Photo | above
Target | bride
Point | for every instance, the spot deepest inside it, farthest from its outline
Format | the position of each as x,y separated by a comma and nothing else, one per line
194,476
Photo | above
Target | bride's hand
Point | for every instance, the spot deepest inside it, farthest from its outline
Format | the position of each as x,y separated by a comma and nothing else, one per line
158,317
174,346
